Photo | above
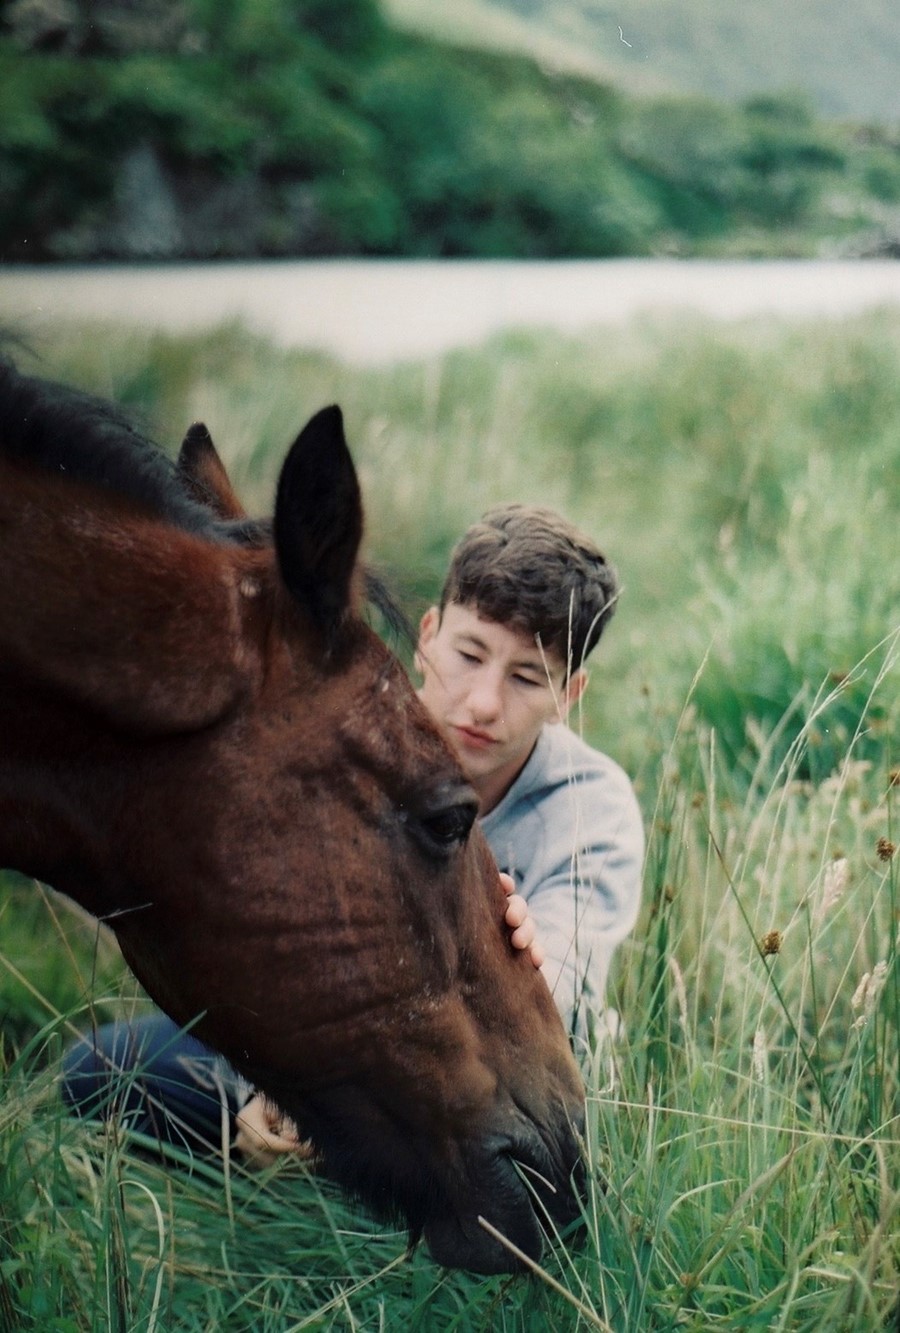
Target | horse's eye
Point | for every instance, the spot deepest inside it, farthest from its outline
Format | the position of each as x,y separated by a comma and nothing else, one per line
442,830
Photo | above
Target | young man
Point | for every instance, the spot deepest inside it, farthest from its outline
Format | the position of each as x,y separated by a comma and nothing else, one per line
502,659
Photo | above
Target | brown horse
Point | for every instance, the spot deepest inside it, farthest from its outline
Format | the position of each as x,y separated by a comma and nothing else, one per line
205,745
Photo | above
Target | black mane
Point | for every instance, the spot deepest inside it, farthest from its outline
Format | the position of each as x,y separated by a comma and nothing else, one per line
89,439
382,600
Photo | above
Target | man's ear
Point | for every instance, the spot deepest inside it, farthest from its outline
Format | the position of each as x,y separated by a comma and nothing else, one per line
572,691
428,627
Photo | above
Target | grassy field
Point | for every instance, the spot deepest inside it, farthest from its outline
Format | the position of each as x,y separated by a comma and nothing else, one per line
746,480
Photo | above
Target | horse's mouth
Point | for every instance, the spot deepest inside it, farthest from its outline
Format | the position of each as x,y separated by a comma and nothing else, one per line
478,1246
506,1223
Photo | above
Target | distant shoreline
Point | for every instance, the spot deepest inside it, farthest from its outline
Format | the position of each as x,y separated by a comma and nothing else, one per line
373,312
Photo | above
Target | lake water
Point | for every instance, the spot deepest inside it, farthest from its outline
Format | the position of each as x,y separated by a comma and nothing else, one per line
373,312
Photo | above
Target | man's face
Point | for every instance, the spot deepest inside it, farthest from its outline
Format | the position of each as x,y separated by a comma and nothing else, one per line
490,689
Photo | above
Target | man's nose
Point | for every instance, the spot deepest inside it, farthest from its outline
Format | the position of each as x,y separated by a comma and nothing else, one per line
485,697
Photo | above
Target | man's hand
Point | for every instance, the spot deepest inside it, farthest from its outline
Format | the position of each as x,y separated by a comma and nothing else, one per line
264,1134
519,922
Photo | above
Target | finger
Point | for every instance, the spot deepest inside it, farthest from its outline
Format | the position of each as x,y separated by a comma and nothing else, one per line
507,883
264,1124
254,1118
259,1138
286,1133
252,1150
537,954
264,1148
523,937
516,911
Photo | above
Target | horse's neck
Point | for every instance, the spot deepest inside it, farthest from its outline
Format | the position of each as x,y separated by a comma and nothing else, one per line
55,806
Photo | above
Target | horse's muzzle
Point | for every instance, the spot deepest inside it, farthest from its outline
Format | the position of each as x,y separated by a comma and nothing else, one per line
524,1189
521,1171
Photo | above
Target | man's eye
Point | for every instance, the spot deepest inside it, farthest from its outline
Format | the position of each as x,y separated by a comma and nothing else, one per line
469,657
529,681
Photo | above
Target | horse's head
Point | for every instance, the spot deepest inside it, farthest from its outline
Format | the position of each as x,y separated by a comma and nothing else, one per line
240,778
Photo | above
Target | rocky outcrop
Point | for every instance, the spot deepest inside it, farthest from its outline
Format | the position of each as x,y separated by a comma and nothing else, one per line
158,212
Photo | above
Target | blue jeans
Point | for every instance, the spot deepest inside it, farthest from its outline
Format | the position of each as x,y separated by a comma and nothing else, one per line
156,1079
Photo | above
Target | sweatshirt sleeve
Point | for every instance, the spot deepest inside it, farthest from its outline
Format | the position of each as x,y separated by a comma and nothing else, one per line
582,880
583,907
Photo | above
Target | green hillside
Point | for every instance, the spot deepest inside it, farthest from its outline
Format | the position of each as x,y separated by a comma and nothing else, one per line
844,58
188,129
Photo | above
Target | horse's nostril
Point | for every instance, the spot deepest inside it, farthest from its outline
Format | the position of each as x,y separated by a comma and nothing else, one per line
531,1175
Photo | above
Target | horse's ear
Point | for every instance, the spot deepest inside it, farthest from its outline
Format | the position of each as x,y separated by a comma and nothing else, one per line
203,475
319,520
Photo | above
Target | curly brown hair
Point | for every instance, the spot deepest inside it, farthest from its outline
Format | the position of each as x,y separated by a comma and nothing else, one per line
528,568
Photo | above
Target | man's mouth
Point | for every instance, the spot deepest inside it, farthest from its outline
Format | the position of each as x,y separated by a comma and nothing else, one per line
472,736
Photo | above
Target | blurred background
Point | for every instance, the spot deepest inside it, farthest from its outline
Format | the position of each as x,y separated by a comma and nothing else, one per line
178,129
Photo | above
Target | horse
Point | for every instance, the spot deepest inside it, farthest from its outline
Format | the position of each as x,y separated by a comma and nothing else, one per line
208,747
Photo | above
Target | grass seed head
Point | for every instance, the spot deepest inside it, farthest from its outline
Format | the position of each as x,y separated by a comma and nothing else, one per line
760,1056
834,882
865,997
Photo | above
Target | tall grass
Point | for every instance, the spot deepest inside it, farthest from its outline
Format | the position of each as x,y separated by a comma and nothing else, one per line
743,1133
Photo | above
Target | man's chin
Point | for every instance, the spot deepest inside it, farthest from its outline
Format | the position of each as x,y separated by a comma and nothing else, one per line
476,760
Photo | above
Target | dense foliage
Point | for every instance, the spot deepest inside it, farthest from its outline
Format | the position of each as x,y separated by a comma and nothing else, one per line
297,127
